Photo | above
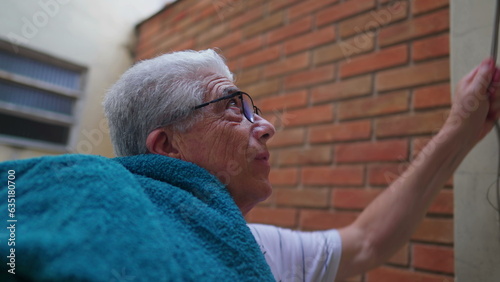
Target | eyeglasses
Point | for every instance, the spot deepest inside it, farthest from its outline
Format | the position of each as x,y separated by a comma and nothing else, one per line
247,106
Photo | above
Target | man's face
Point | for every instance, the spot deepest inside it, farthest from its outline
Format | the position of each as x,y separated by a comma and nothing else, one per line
229,146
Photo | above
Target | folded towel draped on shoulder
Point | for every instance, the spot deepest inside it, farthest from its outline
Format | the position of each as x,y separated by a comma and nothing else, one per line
140,218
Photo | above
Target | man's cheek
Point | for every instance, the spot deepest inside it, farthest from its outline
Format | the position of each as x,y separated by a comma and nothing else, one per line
245,152
233,168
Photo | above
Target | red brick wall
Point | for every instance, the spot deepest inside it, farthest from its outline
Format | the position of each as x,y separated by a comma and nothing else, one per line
355,89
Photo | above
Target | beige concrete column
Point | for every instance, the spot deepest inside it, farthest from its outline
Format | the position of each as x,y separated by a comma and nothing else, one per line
477,237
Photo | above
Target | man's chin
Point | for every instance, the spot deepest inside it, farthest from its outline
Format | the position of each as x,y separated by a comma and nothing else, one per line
257,192
267,192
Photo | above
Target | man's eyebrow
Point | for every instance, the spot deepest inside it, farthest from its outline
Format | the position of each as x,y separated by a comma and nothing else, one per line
230,90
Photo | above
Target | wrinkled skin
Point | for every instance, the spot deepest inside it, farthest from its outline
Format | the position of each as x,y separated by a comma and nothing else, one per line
228,145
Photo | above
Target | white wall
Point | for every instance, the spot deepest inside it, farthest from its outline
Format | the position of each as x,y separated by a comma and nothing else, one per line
477,237
97,34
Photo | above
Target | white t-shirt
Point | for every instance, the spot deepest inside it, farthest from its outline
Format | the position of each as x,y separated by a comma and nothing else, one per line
297,255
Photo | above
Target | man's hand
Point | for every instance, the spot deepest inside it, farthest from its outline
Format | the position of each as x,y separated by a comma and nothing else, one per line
477,102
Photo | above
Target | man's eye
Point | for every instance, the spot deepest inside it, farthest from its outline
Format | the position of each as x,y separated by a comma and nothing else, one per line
232,103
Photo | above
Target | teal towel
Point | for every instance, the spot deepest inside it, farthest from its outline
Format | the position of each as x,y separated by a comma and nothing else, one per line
140,218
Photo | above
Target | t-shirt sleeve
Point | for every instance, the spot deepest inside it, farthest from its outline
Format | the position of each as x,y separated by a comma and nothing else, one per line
297,255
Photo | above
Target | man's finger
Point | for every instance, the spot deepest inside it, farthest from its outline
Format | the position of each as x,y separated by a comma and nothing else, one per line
483,76
495,82
470,76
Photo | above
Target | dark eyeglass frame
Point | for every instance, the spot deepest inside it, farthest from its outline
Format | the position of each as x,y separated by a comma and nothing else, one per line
249,114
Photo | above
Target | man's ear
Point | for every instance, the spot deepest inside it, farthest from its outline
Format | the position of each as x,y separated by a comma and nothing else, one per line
159,142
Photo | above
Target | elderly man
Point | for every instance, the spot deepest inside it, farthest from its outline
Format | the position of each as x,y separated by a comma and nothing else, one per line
192,161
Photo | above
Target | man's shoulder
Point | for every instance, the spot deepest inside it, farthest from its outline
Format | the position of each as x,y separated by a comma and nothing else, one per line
59,160
70,170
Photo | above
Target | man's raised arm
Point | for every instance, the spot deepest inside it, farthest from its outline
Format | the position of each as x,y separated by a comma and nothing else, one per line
388,222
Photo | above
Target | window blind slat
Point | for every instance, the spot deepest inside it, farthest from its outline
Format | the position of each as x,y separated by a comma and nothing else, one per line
39,70
35,98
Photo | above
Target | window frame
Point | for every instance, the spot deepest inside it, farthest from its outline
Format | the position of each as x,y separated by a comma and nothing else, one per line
73,121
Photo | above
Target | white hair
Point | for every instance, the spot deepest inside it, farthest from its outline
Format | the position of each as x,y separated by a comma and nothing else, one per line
159,92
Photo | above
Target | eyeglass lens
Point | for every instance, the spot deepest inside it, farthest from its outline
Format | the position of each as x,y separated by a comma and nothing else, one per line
247,107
